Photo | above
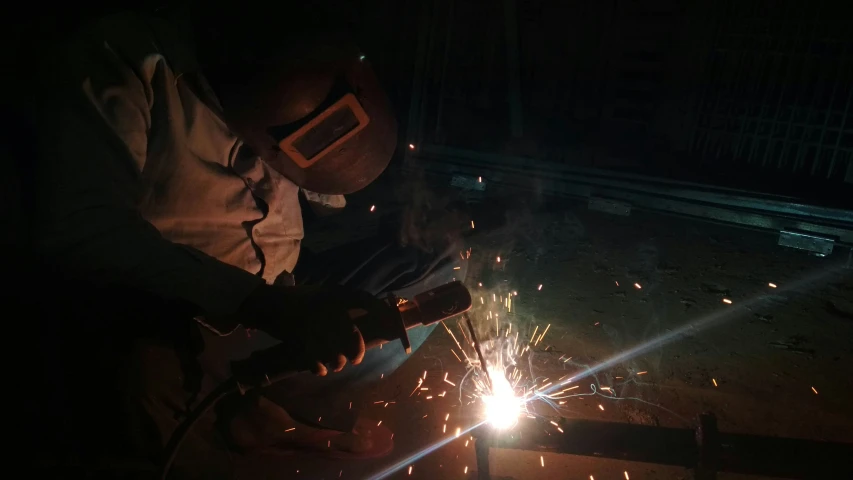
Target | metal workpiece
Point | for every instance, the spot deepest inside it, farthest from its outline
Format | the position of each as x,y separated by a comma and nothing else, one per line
705,450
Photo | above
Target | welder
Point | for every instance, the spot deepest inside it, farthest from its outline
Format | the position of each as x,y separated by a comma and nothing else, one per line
168,204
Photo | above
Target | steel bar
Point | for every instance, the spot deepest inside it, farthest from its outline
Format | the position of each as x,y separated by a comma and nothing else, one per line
739,207
706,450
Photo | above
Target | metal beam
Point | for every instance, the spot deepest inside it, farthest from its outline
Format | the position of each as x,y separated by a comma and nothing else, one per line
725,205
705,449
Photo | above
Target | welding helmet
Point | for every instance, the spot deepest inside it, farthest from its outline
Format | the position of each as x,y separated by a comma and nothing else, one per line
316,114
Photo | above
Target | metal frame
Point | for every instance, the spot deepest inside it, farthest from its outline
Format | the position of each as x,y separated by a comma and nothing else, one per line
765,102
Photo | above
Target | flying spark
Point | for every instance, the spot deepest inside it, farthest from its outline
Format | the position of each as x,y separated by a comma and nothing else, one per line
771,285
814,390
372,208
715,381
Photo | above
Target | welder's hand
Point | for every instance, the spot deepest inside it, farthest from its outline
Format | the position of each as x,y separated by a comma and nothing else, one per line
316,323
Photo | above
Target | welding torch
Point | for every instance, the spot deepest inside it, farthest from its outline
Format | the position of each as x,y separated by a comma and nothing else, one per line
265,367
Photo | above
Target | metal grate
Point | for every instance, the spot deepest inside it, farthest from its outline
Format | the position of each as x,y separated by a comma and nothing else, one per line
778,88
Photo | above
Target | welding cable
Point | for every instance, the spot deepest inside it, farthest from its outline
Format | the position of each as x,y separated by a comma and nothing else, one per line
256,371
171,451
247,374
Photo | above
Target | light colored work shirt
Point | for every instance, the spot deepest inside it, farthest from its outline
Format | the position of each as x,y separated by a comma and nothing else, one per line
142,182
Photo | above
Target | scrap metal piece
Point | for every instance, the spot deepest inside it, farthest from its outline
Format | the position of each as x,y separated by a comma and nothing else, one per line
810,242
607,205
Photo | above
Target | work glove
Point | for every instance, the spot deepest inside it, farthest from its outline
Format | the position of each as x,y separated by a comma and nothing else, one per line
315,322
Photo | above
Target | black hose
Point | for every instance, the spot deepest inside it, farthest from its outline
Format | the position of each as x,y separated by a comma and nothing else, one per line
180,433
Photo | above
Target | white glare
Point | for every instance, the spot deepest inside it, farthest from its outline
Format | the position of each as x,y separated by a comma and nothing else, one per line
502,406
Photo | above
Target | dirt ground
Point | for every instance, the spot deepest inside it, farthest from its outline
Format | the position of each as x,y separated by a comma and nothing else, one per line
775,361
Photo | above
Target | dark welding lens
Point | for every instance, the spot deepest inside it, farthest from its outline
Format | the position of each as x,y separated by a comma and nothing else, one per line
326,133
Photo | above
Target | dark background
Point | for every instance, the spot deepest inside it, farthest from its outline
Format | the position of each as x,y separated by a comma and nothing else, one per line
754,94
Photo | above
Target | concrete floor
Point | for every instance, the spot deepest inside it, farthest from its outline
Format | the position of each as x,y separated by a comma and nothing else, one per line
766,355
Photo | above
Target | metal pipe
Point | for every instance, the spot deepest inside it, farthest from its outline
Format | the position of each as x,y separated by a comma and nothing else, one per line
706,450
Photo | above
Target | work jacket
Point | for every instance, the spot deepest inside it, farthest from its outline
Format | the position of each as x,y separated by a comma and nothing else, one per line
142,184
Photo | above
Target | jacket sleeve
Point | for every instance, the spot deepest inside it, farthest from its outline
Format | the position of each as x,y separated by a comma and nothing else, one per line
94,119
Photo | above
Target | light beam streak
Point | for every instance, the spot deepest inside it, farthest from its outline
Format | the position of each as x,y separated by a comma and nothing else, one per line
700,323
390,470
